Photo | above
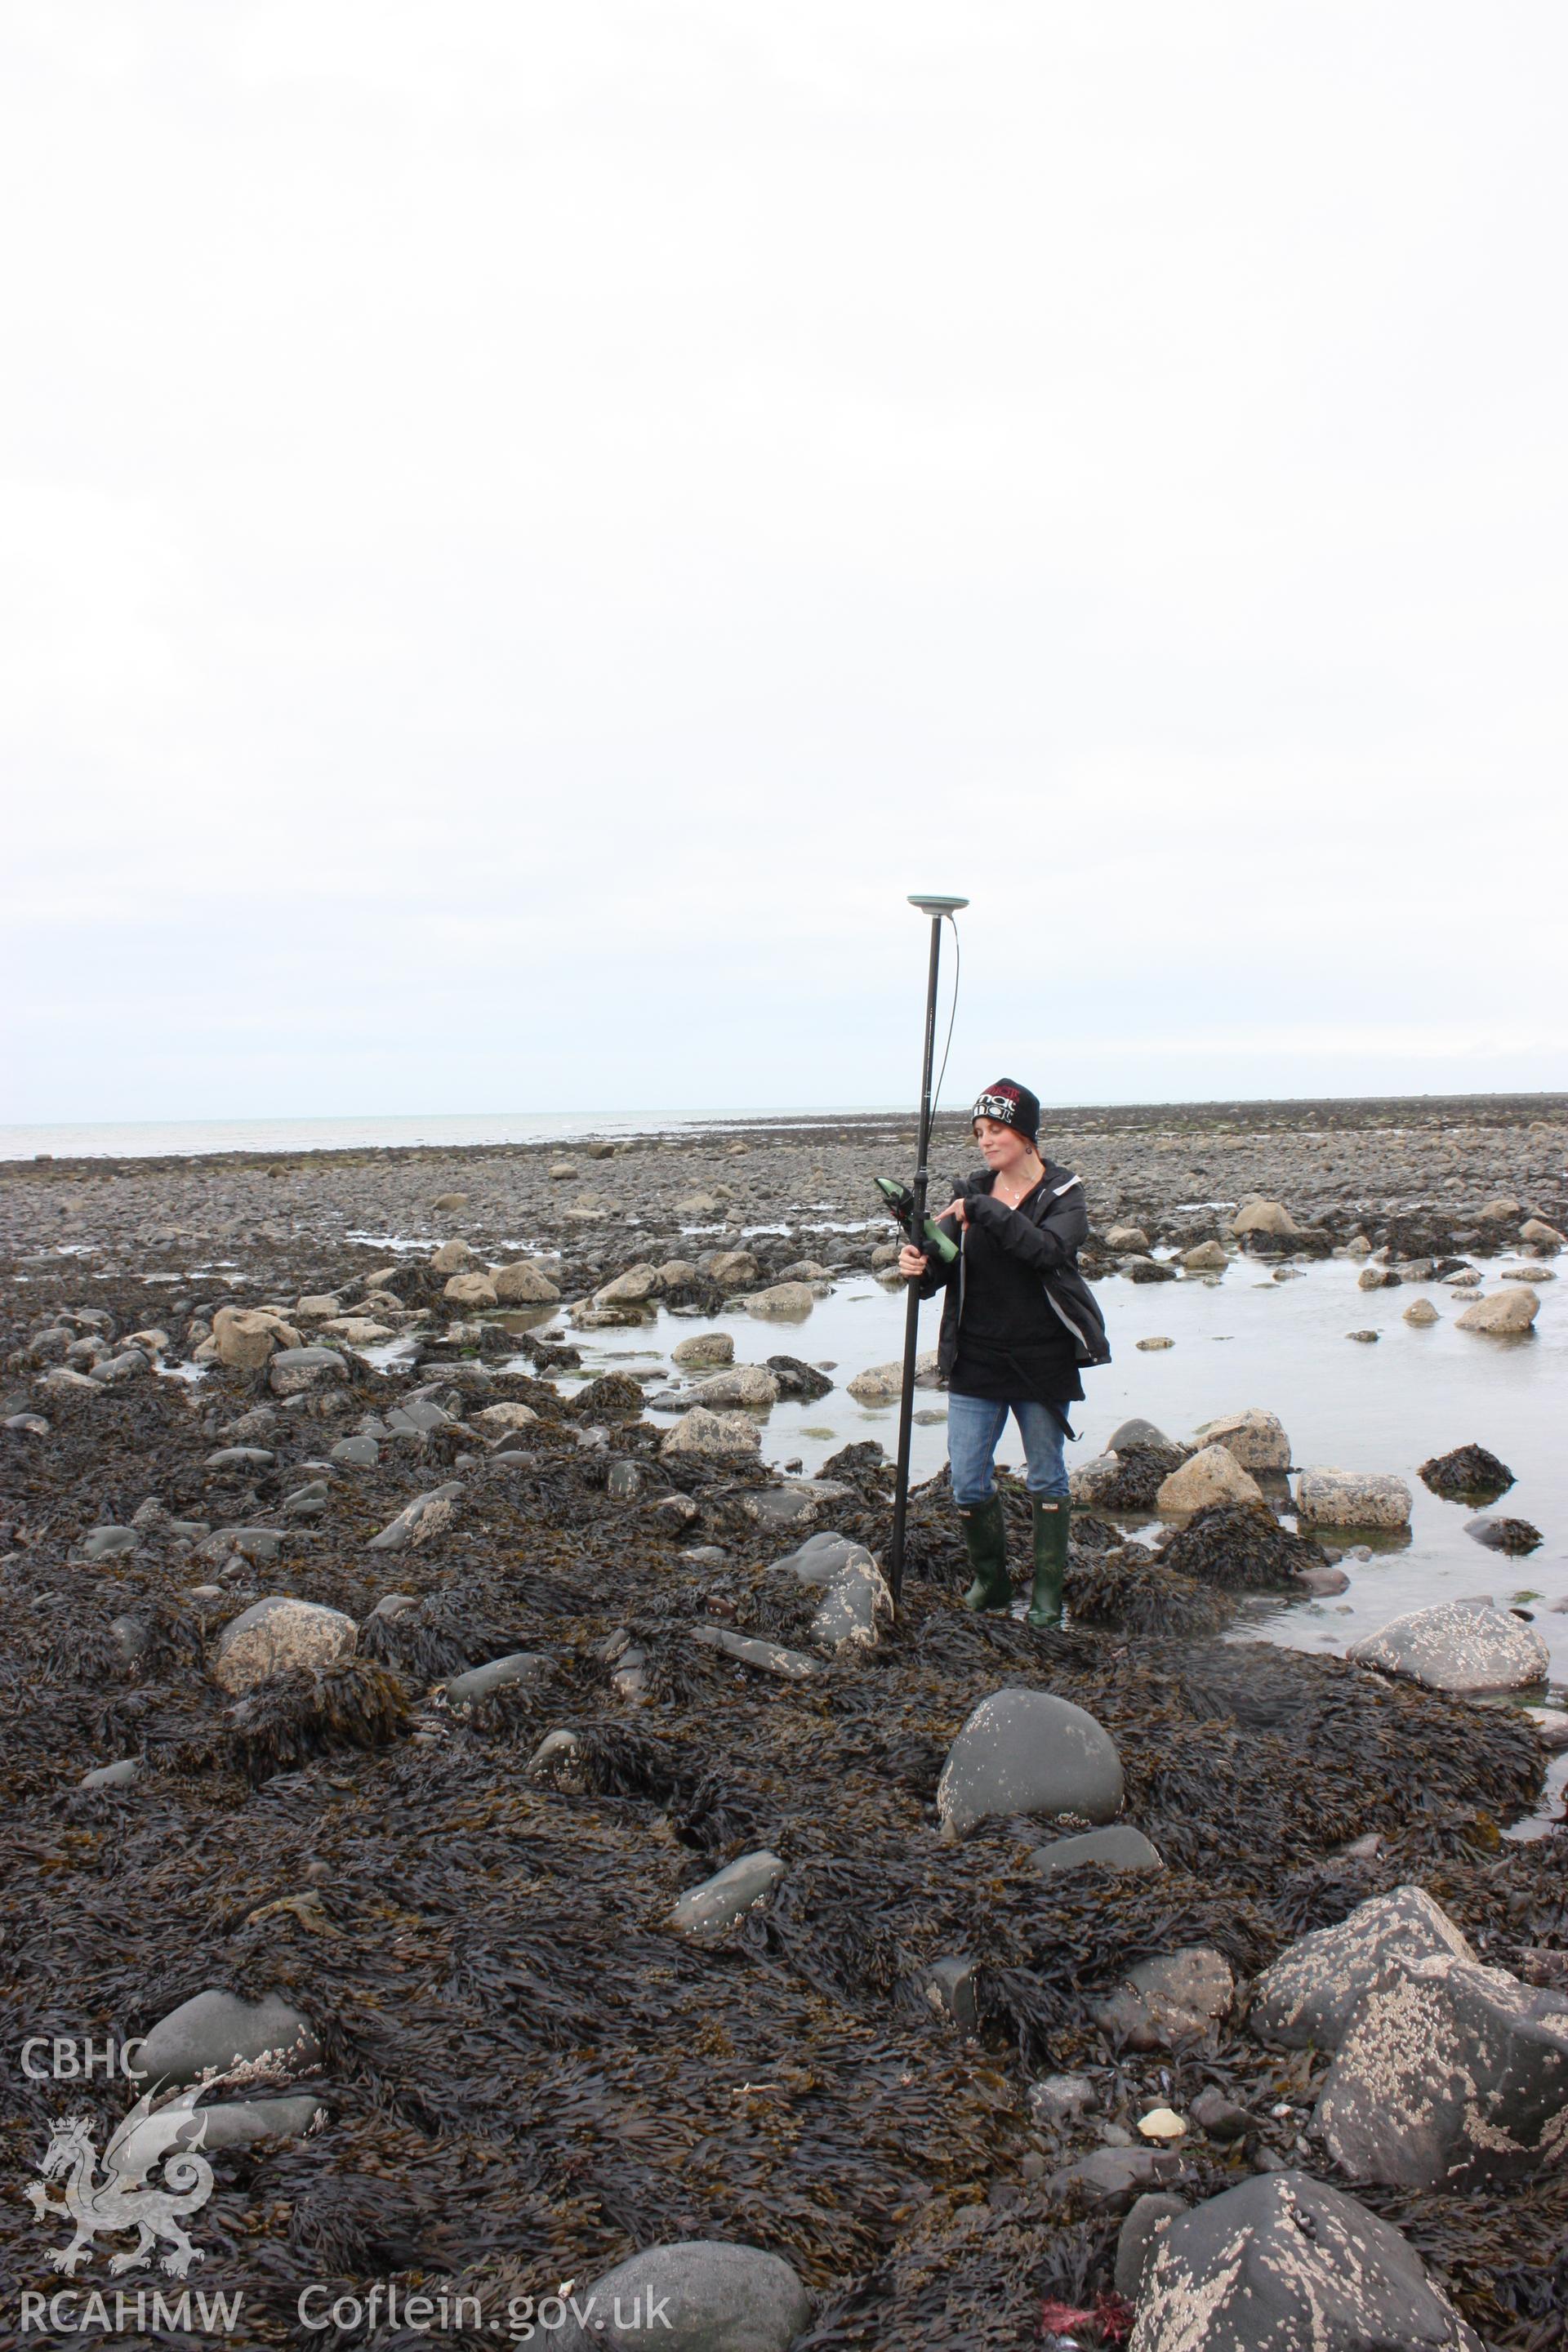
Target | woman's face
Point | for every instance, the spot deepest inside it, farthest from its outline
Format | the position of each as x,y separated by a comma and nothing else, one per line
1003,1147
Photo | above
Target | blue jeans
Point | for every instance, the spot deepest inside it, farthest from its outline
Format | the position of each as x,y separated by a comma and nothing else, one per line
974,1428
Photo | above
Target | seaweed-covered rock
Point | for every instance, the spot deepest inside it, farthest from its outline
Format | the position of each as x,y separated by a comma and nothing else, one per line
1283,2262
1168,1998
294,1371
1127,1479
699,2296
1308,1996
1127,1586
1239,1547
1456,1645
1025,1751
217,2029
1513,1537
1449,2075
277,1634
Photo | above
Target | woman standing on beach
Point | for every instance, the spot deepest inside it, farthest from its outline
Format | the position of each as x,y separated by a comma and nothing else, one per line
1017,1323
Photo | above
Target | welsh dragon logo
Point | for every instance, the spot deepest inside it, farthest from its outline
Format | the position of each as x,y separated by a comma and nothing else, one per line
166,2131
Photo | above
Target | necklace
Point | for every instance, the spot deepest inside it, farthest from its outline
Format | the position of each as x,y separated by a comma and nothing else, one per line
1010,1200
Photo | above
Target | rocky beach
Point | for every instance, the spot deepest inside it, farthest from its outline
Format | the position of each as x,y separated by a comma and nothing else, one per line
452,1707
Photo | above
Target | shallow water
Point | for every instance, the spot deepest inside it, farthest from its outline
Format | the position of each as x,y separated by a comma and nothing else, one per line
179,1137
1245,1339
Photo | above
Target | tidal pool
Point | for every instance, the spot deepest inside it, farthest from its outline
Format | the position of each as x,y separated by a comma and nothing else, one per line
1245,1340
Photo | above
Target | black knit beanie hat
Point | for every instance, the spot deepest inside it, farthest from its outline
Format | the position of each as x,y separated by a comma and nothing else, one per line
1010,1105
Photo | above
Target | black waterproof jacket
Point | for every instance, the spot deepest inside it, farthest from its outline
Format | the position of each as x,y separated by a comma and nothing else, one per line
1047,1240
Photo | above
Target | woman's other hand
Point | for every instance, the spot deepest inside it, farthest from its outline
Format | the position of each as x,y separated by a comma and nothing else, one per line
957,1212
911,1262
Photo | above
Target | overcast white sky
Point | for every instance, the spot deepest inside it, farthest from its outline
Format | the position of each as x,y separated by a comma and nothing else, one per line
528,528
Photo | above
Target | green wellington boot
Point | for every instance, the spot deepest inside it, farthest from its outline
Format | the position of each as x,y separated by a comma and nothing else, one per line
985,1541
1050,1561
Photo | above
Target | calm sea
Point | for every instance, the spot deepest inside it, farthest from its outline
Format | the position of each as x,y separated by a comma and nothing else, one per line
155,1138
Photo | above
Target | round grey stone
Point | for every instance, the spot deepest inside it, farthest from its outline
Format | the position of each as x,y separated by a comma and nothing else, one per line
1026,1752
697,2296
1120,1847
217,2029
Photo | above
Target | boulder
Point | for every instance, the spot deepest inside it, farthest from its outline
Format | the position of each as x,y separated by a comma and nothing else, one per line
1421,1313
1500,1211
1450,2075
1456,1645
697,2295
1307,1997
1169,1998
1378,1277
698,1204
1120,1847
245,1338
501,1417
1128,1238
884,1384
1112,2176
745,1384
446,1203
629,1289
519,1666
1211,1475
277,1634
473,1291
316,1307
855,1592
704,1348
1283,2262
767,1657
295,1370
733,1269
1351,1498
1256,1438
702,1432
217,2030
1137,1435
1139,2238
1504,1314
1026,1752
1541,1235
1469,1474
452,1258
417,1521
801,1382
785,1302
1206,1257
1265,1217
119,1775
728,1896
523,1284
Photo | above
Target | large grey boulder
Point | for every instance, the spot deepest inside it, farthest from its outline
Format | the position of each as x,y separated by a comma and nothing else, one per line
1282,2263
1026,1752
701,2295
1450,2075
785,1302
277,1634
1169,1998
1259,1216
728,1896
1309,1995
216,2029
1457,1645
295,1369
1351,1498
